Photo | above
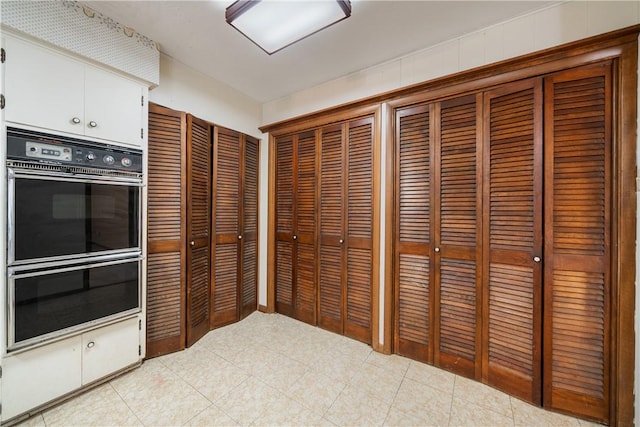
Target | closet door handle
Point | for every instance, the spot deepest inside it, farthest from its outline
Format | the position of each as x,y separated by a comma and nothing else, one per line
240,237
537,259
192,243
341,241
437,250
295,237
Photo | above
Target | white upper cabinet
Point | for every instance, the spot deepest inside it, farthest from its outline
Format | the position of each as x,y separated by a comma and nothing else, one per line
49,90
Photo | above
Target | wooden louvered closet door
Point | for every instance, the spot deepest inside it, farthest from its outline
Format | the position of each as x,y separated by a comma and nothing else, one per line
413,272
296,226
578,118
331,262
249,260
166,231
512,241
359,231
226,201
198,220
457,237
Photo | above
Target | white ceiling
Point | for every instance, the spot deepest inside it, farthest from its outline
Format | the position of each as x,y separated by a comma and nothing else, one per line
196,34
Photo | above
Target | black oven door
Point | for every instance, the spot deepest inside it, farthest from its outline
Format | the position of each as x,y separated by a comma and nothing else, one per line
47,303
59,217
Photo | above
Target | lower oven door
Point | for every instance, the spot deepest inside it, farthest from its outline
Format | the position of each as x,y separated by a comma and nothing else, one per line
51,302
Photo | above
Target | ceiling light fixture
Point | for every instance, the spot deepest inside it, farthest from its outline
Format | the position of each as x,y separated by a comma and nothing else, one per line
275,24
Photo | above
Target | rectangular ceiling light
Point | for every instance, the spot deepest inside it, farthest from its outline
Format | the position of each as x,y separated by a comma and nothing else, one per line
275,24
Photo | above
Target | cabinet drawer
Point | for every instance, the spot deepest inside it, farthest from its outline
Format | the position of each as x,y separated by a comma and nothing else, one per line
109,349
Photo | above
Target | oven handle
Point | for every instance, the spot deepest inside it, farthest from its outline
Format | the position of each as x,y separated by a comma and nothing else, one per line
86,179
11,216
22,272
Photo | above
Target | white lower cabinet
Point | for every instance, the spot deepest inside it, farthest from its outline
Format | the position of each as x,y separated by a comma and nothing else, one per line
34,377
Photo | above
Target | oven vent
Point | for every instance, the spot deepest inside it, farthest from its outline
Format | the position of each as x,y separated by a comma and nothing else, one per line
80,170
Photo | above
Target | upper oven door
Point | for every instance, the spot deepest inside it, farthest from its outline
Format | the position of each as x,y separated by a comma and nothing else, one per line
54,217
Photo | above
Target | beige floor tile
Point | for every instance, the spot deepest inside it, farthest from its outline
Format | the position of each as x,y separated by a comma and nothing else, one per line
397,418
431,376
34,421
158,396
525,415
316,391
248,401
482,395
586,423
377,381
355,407
100,406
464,413
287,412
428,404
281,373
389,362
337,365
211,416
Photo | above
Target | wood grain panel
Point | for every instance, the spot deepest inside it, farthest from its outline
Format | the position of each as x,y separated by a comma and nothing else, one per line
413,272
306,185
577,276
225,290
305,282
284,184
249,291
332,230
227,156
513,237
166,207
358,294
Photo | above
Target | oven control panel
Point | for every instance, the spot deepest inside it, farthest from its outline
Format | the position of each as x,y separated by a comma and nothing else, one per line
43,148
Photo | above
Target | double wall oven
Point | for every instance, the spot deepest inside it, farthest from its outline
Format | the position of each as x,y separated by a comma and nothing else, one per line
74,235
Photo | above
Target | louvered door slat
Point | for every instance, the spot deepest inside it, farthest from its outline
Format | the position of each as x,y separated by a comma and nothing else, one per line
413,326
458,200
166,231
330,313
359,240
284,225
305,224
577,216
249,299
198,220
513,229
226,190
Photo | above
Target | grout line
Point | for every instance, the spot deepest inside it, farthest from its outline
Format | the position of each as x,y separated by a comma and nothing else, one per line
453,393
123,401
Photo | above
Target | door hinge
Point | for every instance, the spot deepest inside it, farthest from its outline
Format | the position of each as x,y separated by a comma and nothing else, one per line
3,55
0,371
1,102
140,324
141,133
139,350
141,99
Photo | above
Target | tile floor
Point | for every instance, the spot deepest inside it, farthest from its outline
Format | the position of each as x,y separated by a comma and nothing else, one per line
273,371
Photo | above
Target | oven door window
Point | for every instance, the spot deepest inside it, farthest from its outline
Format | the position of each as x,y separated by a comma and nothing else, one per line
56,218
54,301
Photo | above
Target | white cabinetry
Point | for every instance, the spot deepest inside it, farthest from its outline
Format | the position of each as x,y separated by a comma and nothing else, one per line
35,377
49,90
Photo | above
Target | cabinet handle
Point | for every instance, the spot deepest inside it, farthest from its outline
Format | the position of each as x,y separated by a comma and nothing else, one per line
341,241
239,237
93,124
537,259
192,243
437,250
295,237
75,120
90,344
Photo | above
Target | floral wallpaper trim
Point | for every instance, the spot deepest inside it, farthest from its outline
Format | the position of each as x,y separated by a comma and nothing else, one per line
110,23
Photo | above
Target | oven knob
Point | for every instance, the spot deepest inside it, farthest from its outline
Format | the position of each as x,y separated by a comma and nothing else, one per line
126,162
91,157
108,159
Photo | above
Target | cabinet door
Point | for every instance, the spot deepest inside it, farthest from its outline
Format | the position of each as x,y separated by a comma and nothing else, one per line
305,228
43,88
512,239
198,221
359,239
578,117
113,107
226,190
413,271
166,235
37,376
249,259
331,261
284,225
457,225
109,349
